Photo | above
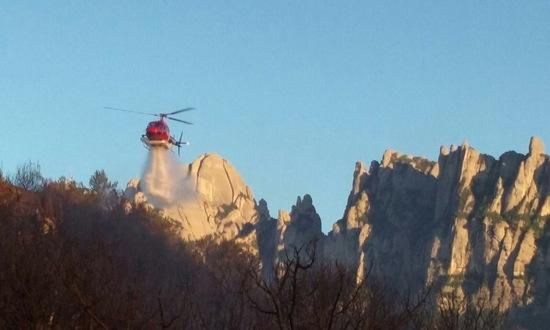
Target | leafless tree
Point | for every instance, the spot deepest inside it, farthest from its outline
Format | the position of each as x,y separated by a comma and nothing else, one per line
308,293
28,176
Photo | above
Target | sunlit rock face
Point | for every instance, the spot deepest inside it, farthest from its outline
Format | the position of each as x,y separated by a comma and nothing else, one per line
468,223
222,206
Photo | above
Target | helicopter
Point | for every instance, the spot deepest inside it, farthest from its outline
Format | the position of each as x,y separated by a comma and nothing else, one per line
157,133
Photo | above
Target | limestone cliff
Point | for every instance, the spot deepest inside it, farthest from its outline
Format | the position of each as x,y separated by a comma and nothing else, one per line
467,222
223,206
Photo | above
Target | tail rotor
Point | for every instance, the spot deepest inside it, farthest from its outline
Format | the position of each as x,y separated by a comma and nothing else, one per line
179,143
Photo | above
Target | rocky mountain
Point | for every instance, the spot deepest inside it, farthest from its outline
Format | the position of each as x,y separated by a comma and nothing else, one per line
468,223
224,208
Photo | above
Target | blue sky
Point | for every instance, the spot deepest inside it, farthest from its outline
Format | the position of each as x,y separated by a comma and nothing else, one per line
291,92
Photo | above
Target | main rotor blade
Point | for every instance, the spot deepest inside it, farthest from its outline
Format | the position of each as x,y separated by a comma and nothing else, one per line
179,111
181,121
132,111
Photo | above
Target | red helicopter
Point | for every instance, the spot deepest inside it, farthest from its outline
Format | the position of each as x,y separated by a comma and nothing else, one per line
157,132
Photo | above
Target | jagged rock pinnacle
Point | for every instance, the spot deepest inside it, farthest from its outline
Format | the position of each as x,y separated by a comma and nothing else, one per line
387,157
536,146
283,216
263,210
360,168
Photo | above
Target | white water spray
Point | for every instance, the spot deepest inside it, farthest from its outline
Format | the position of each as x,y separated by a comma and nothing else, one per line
164,181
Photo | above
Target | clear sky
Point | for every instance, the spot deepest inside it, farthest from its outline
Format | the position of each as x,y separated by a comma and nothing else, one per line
292,93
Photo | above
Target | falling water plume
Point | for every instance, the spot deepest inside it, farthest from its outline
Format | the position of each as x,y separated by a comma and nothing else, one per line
164,180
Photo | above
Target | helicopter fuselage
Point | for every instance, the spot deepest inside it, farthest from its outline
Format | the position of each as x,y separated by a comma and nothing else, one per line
157,133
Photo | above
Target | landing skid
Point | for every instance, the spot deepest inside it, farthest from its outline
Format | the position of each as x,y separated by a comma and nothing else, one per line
154,143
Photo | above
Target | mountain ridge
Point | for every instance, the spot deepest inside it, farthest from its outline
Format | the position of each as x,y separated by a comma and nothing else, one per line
467,223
